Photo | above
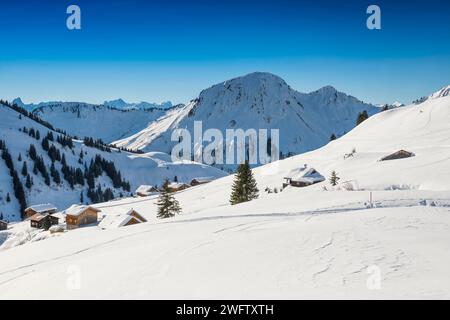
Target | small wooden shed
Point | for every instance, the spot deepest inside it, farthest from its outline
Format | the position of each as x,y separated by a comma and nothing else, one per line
198,181
79,215
176,186
119,217
401,154
3,225
303,177
146,190
40,221
136,215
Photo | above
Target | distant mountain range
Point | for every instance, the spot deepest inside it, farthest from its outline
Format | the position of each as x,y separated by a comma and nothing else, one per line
120,104
258,100
117,104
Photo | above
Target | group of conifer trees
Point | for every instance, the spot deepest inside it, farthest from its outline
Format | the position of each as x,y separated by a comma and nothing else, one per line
17,184
244,189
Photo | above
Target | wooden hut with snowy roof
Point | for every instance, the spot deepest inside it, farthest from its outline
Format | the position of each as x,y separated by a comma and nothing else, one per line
118,217
80,215
198,181
43,209
43,221
3,225
401,154
303,177
146,190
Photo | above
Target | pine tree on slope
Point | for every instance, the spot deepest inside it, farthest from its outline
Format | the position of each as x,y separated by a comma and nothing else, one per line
334,179
168,206
244,186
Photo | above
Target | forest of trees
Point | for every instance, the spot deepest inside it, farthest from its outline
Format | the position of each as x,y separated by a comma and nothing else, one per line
17,184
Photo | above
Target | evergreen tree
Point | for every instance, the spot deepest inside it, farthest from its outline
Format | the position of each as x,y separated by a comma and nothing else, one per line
32,133
269,147
28,183
20,157
362,116
35,169
168,206
81,197
8,197
244,186
55,174
333,137
24,169
334,179
50,136
45,144
32,152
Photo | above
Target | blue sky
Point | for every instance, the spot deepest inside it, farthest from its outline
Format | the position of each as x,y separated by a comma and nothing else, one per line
171,50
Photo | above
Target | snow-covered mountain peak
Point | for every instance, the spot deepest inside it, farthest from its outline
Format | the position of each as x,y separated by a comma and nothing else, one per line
18,101
259,100
122,104
327,90
118,103
444,92
252,84
397,104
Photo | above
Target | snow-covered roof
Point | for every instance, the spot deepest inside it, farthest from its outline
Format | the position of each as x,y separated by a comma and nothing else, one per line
38,217
146,189
39,208
75,210
176,185
118,217
203,179
307,175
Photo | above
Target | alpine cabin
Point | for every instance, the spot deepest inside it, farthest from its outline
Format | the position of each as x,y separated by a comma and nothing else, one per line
43,209
80,215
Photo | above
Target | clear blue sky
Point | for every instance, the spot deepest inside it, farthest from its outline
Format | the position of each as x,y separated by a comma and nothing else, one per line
170,50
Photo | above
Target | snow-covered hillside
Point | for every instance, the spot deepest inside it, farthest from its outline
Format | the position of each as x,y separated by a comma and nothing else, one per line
259,101
382,232
137,169
98,121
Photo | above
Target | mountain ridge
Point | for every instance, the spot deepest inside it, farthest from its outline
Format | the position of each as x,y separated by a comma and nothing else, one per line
264,101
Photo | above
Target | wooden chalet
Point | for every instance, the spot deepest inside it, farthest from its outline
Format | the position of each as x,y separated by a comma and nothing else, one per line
43,221
43,209
177,186
146,190
401,154
119,217
198,181
303,177
80,215
3,225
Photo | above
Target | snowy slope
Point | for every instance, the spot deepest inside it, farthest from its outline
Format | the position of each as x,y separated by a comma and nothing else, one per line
301,243
259,101
98,121
151,168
